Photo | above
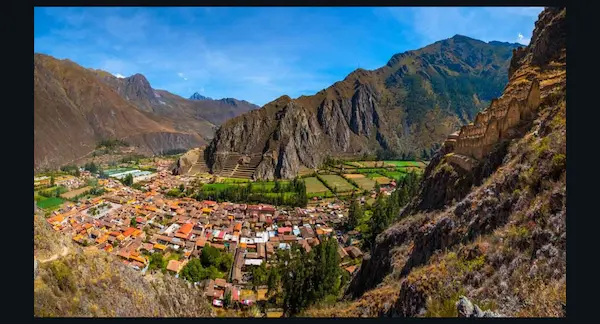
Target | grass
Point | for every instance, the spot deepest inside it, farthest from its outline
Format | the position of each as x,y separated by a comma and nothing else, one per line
374,175
75,193
315,187
382,180
234,180
404,164
365,183
266,185
394,174
50,203
335,181
217,186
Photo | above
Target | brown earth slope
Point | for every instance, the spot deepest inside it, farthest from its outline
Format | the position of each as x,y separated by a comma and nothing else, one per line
75,108
492,229
407,106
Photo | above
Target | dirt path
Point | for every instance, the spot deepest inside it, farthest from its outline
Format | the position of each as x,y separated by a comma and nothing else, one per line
55,256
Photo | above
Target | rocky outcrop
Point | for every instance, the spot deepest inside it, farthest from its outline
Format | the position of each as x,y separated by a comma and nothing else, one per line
466,308
368,111
494,232
185,162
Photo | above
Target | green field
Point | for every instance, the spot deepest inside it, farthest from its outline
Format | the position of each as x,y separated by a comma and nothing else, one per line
50,203
337,182
218,186
235,180
417,164
394,174
365,183
266,185
373,175
314,186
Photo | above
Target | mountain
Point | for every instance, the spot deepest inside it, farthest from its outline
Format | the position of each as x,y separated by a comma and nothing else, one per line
405,107
75,108
70,281
197,96
489,222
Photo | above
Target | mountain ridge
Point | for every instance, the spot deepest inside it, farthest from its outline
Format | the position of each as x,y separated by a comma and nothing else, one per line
392,108
76,107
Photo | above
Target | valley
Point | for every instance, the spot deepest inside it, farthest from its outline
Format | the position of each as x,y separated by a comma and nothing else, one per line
434,186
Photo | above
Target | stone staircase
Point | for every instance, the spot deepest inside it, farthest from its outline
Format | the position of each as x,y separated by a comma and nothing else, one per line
245,171
199,166
230,165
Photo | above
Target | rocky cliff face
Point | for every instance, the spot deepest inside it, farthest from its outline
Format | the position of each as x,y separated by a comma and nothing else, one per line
407,106
494,233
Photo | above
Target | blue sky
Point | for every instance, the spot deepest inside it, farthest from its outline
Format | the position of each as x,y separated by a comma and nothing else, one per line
259,53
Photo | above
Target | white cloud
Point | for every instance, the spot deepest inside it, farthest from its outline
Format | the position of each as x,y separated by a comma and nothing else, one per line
182,76
119,75
522,40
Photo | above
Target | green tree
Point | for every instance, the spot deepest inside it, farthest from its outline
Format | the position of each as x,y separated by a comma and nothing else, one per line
133,222
379,221
52,181
355,214
128,180
259,275
227,299
156,262
210,256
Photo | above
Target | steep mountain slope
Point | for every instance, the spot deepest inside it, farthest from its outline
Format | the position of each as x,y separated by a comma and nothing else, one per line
75,108
85,283
489,222
407,106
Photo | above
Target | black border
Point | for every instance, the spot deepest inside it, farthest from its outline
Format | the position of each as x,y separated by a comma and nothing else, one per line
580,147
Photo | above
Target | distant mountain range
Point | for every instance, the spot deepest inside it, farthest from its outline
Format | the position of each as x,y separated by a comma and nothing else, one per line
408,106
75,108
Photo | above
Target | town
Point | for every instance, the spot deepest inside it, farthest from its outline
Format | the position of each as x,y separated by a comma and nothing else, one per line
150,229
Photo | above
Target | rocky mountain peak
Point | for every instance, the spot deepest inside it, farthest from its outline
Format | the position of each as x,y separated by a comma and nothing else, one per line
197,96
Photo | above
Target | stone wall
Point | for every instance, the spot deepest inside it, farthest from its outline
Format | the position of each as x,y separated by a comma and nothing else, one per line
477,139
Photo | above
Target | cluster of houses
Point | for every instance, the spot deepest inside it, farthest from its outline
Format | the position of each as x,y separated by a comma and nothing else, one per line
133,225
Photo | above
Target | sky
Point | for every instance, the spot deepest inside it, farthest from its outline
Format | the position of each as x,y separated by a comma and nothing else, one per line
259,53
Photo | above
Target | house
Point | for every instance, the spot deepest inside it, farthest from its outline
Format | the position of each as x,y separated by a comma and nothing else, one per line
342,253
350,269
354,252
220,283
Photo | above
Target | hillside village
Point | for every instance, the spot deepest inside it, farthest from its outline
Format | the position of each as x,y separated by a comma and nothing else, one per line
135,224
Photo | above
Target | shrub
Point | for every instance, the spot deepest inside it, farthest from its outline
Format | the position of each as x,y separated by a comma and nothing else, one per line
559,163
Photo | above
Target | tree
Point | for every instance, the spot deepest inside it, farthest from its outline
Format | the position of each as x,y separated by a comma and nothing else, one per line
209,256
355,214
52,181
227,299
128,180
259,275
181,187
379,221
377,187
156,262
133,222
77,173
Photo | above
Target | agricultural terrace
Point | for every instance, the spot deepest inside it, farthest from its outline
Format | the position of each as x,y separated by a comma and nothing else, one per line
49,203
365,183
315,188
382,180
336,182
76,192
417,164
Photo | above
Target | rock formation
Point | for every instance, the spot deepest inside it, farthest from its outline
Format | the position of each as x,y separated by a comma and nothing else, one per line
407,106
491,228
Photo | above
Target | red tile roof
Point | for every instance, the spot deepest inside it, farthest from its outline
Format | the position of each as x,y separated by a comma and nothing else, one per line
186,229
